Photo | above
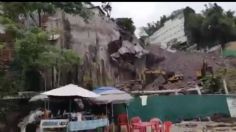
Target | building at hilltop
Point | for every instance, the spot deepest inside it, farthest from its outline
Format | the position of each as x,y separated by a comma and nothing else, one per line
172,32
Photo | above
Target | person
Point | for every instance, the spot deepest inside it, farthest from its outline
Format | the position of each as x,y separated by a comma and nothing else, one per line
79,109
80,104
46,113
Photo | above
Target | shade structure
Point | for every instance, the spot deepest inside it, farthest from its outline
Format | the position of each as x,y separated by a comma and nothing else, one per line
71,90
108,90
111,95
39,97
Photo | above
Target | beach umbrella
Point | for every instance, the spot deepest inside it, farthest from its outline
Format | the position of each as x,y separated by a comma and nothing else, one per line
112,95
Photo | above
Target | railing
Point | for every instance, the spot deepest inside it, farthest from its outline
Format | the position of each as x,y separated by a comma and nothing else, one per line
176,91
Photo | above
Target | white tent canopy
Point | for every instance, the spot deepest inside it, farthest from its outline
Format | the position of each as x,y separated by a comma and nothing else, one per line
71,90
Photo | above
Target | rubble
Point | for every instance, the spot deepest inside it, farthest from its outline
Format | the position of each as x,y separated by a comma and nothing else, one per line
170,71
127,49
184,62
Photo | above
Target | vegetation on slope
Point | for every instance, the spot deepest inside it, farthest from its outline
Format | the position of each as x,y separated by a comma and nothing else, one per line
34,55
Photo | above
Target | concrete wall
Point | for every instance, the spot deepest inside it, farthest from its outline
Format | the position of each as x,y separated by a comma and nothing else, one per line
172,29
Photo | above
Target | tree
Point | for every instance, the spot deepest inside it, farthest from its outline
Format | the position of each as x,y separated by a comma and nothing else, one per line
218,27
163,19
230,14
74,8
229,75
211,83
152,27
126,24
214,26
23,10
192,23
33,52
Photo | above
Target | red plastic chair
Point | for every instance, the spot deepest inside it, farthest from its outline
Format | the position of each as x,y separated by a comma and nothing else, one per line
167,125
123,121
134,127
156,124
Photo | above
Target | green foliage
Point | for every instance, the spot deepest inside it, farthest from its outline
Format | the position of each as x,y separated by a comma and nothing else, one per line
33,52
163,19
1,46
13,10
151,28
229,75
30,45
154,26
211,83
9,85
74,8
10,26
179,46
70,57
126,24
214,26
192,23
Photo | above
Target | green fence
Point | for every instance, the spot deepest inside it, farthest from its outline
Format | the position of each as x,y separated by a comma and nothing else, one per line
174,108
229,53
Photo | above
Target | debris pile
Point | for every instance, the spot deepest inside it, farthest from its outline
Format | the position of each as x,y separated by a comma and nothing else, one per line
179,70
130,85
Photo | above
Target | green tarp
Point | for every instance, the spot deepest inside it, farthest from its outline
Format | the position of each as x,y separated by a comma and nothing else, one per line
229,53
174,108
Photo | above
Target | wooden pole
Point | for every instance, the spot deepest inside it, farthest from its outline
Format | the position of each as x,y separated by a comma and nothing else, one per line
198,90
225,87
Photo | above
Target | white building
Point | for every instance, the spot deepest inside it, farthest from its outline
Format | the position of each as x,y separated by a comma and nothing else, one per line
172,31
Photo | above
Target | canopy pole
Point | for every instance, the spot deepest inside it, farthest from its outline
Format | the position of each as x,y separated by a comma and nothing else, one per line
48,104
106,110
45,104
112,117
126,107
112,112
70,105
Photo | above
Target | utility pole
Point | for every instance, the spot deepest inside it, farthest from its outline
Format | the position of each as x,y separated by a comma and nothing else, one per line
225,71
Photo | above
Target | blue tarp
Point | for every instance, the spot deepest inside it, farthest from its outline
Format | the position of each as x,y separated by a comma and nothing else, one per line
107,90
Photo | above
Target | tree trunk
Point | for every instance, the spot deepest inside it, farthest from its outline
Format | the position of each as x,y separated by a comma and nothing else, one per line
45,83
59,77
44,79
54,76
76,74
40,18
52,73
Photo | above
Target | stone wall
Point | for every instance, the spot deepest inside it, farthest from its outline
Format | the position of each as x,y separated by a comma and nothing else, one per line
90,40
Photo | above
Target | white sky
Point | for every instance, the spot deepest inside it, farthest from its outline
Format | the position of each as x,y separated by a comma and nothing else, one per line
145,12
